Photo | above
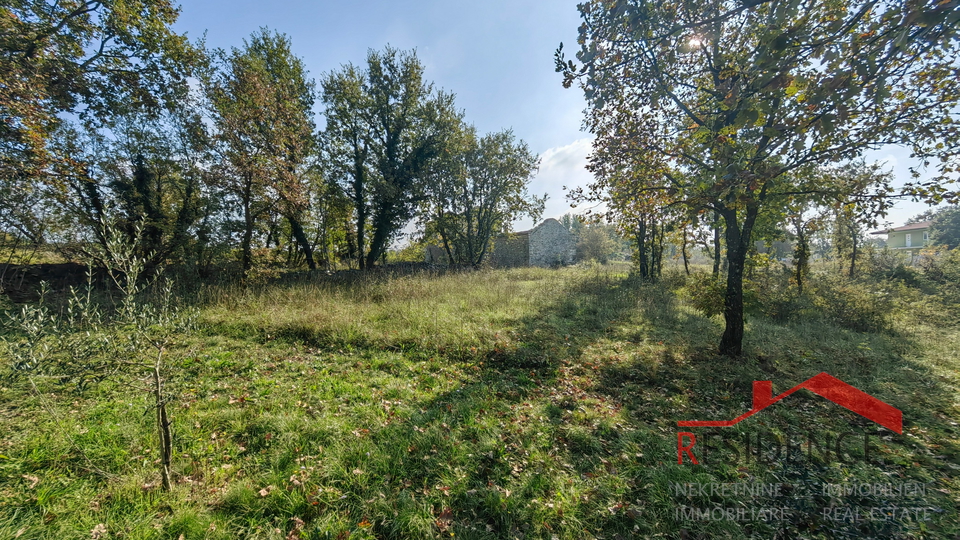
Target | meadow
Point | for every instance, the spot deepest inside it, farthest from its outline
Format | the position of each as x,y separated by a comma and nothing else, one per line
523,403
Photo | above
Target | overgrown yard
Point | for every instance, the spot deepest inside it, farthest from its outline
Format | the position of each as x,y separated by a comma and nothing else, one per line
525,403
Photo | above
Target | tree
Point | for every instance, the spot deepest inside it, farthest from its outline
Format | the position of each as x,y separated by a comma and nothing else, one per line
263,104
721,99
596,242
385,129
859,198
84,57
479,188
945,229
142,173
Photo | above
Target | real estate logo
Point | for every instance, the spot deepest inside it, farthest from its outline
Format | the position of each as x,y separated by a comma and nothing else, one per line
822,384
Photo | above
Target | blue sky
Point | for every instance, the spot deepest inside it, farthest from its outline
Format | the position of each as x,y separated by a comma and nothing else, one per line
495,55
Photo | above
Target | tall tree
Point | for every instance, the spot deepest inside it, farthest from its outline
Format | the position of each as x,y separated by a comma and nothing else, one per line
142,173
481,189
385,129
84,57
858,193
263,104
734,95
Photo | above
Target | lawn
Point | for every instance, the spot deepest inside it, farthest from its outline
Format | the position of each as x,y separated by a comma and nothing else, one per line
526,403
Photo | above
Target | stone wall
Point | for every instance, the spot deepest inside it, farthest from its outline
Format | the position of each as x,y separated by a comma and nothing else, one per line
547,244
551,244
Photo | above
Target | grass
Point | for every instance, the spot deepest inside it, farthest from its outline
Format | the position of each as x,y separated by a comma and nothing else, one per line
524,403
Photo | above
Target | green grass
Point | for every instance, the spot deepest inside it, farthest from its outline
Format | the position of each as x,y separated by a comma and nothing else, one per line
524,403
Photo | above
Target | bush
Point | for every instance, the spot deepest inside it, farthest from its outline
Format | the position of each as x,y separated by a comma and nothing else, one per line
850,304
705,292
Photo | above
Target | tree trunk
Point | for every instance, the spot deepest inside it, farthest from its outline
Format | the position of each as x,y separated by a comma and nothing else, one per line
248,223
642,249
378,244
716,244
683,252
360,203
731,343
853,254
301,238
802,255
163,424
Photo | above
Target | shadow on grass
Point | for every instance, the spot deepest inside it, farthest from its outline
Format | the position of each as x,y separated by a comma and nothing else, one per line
687,380
514,451
479,448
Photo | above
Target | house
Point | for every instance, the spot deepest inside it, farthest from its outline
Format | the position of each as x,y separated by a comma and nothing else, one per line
547,244
909,239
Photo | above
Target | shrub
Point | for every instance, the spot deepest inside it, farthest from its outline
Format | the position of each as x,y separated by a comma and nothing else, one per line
705,292
850,304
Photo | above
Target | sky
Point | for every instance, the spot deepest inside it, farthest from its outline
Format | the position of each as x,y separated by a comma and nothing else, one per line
495,55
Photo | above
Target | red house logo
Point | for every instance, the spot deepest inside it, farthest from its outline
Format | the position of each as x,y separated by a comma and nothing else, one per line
825,385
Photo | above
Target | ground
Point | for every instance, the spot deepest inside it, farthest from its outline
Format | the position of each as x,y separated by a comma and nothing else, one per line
526,403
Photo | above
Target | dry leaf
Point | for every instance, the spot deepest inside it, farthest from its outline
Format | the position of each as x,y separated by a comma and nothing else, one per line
100,531
297,527
445,519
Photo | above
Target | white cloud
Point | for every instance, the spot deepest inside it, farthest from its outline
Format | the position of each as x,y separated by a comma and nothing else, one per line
560,166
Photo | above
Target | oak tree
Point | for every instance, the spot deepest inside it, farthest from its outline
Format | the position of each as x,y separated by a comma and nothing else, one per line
263,100
478,188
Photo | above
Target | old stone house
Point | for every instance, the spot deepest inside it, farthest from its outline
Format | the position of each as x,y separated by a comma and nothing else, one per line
547,244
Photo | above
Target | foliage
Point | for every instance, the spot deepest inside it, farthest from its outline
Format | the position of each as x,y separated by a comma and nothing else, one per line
945,229
478,190
852,305
263,102
386,127
705,293
712,104
596,242
86,57
143,172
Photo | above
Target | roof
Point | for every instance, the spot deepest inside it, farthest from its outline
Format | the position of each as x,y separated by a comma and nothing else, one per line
528,231
911,227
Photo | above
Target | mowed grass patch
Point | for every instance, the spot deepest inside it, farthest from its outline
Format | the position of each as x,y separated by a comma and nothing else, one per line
526,403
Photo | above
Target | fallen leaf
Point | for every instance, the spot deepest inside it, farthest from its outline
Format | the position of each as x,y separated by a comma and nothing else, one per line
100,531
445,519
297,527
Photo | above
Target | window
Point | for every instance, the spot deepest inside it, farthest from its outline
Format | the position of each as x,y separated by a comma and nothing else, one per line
909,240
926,237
